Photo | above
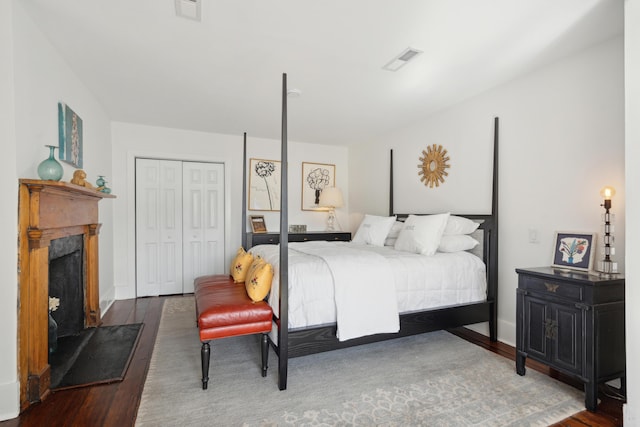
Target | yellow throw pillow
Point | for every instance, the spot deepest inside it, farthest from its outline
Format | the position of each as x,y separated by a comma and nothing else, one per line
259,277
257,261
240,265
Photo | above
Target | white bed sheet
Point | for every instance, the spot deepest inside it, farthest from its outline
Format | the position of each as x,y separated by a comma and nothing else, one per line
421,281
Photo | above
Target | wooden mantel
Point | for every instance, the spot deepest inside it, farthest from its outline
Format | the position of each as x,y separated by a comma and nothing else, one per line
49,210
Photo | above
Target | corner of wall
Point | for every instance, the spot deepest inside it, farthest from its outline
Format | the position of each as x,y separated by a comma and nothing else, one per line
9,403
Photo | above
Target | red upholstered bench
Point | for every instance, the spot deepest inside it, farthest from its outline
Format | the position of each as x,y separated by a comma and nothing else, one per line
225,310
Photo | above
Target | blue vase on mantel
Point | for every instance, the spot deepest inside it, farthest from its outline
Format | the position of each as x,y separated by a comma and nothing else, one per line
50,169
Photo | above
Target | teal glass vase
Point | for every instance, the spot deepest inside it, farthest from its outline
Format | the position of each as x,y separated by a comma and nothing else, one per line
50,169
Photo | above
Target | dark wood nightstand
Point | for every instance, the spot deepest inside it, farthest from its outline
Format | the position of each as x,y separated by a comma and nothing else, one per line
274,238
573,322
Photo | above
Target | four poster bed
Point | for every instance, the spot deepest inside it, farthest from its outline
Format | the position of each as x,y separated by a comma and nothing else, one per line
290,338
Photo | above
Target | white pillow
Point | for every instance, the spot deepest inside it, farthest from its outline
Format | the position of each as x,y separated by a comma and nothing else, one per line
421,234
460,225
393,234
461,242
373,230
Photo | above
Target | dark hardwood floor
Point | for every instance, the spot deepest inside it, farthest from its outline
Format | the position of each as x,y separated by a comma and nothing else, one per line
116,404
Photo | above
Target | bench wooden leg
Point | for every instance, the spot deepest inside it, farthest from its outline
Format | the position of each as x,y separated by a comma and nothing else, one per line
205,355
265,353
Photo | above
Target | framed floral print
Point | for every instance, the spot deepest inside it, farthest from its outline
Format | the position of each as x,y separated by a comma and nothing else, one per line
315,178
264,185
573,250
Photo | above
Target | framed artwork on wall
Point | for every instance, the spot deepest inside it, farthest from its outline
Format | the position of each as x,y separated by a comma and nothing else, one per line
573,250
264,185
315,178
257,224
69,136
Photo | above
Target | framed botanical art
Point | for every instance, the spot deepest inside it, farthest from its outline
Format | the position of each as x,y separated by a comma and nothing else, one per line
573,250
69,136
315,178
264,185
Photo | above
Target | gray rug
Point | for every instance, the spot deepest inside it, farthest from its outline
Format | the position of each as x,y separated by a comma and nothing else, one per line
434,379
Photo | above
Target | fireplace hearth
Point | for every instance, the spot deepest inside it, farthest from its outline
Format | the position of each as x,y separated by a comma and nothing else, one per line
58,248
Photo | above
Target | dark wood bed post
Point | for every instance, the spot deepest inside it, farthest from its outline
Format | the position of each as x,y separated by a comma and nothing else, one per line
491,236
391,182
243,228
492,293
283,322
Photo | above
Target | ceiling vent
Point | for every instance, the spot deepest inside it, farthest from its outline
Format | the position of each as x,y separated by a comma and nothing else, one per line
188,9
399,61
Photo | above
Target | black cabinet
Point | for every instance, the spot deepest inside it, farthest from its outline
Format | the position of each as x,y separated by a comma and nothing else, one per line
274,238
573,322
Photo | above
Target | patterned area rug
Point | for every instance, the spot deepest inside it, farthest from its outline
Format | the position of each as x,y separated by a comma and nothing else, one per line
434,379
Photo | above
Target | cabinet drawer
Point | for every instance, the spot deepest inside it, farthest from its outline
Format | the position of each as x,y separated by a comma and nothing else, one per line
265,239
552,287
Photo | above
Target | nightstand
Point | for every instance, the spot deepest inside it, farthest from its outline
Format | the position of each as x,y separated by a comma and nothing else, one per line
573,322
274,238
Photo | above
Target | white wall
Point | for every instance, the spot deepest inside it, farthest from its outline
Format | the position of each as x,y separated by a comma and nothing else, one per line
33,78
561,141
632,159
42,79
131,141
9,385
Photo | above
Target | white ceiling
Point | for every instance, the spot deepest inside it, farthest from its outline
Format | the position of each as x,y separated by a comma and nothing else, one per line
223,74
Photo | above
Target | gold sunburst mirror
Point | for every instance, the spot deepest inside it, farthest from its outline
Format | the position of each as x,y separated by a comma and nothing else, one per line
433,164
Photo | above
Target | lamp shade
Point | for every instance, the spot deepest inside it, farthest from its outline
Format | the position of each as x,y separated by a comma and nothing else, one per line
331,197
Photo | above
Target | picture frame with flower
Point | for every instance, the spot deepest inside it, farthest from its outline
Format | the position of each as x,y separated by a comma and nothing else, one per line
574,250
264,185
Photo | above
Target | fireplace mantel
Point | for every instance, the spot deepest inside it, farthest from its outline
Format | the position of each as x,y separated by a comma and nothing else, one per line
49,210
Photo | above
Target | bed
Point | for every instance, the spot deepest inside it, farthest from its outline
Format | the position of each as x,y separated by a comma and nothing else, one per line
298,335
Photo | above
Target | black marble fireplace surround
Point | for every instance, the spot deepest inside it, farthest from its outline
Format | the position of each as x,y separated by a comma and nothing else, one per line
67,282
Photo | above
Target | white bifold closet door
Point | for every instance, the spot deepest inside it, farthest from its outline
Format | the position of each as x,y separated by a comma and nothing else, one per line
179,224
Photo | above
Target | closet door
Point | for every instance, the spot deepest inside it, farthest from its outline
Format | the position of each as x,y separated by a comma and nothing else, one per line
203,221
158,227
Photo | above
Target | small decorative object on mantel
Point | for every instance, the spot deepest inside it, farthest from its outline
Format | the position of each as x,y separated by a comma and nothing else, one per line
80,178
102,185
50,169
433,165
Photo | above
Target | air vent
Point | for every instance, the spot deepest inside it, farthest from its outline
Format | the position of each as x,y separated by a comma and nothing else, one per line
188,9
399,61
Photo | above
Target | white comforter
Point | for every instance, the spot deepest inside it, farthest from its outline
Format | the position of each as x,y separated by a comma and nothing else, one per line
421,282
363,286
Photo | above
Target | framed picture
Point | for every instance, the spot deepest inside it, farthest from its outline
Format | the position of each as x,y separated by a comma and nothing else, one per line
69,136
257,224
264,185
573,250
315,178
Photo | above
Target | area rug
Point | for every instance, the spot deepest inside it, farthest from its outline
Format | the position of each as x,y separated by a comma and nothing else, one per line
434,379
95,356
